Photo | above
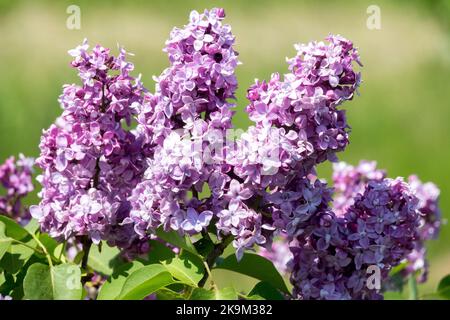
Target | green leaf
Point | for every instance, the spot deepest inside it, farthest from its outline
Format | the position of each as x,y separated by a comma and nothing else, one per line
187,268
5,242
265,290
32,226
145,281
222,294
17,289
174,238
13,229
105,260
62,282
255,266
444,287
159,252
165,294
112,287
16,256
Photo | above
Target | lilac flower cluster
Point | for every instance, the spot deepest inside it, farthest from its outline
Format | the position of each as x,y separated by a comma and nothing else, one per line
90,161
350,181
334,252
184,127
198,83
16,179
322,77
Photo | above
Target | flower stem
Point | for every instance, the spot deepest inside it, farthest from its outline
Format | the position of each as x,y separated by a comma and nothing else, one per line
86,243
44,250
216,252
412,283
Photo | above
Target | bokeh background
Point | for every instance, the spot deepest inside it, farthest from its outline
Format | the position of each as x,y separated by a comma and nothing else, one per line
400,119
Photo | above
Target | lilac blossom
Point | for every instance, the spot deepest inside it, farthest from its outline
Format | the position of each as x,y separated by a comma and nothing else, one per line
90,161
430,223
350,181
16,180
322,77
181,124
332,256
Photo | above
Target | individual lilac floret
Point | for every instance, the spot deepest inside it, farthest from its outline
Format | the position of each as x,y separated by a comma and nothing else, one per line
349,181
306,100
5,297
333,255
16,179
90,160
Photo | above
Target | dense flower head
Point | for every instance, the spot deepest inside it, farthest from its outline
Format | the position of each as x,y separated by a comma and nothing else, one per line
349,181
199,81
306,100
16,180
90,160
183,125
334,254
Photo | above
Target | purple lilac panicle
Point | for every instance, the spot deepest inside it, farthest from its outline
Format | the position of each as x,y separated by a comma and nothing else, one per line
90,161
430,224
16,179
334,252
350,181
182,124
322,77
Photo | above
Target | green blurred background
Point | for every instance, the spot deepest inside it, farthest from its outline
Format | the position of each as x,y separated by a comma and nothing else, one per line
400,119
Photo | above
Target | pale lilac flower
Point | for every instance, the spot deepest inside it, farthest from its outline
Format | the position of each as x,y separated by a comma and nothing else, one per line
196,221
90,160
